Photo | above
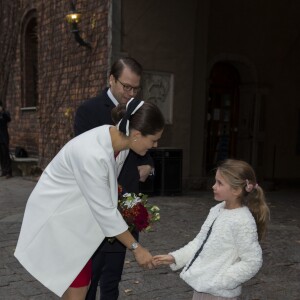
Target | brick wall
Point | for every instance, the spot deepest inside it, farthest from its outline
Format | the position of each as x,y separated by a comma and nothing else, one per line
67,74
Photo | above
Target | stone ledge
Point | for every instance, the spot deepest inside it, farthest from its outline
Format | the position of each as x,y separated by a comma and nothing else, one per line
25,159
25,166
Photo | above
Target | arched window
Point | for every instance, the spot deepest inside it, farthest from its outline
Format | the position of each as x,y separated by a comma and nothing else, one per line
29,60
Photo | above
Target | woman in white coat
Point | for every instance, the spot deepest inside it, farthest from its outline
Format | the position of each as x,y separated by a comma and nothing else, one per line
74,204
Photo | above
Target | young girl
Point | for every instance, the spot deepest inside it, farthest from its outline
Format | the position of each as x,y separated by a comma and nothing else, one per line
74,206
226,252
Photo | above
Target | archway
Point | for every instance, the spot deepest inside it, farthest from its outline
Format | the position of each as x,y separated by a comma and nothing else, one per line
222,114
234,79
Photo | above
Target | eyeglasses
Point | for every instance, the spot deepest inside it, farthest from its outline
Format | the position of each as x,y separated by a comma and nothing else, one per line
129,88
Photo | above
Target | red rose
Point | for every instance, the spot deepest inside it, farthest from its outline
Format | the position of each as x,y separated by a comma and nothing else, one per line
141,219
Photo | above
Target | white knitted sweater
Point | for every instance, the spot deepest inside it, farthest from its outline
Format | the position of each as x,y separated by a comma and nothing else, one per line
231,255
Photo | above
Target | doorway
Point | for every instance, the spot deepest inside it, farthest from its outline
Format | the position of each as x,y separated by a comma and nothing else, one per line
222,114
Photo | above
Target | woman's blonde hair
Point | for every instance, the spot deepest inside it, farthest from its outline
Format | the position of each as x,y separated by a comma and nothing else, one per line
240,174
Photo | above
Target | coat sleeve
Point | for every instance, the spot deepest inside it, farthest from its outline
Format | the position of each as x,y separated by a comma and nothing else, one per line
249,252
186,253
97,182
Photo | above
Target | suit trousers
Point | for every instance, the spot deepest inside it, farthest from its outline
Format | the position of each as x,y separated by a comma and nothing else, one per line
107,269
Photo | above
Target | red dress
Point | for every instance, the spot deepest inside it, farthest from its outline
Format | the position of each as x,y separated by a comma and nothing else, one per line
84,277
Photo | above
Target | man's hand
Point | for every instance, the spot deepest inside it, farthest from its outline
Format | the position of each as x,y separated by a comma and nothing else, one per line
144,171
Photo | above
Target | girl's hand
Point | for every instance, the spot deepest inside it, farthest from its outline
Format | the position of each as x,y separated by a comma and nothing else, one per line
165,259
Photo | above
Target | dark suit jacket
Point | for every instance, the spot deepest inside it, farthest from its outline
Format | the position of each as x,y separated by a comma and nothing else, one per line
97,112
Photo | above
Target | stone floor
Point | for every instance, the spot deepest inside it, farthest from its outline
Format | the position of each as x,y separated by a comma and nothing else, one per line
181,218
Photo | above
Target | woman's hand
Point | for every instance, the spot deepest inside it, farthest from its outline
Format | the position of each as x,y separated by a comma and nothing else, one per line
143,257
166,259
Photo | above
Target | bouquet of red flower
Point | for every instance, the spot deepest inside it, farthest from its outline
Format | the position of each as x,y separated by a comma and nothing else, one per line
137,212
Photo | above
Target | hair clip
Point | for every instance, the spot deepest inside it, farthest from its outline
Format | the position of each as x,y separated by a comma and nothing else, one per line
249,186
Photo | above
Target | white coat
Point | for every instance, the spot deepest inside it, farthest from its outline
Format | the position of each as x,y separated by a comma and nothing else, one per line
71,209
231,255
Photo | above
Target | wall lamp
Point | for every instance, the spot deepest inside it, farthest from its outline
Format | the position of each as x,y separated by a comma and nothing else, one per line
74,18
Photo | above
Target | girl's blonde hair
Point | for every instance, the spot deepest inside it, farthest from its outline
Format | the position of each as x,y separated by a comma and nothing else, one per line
240,174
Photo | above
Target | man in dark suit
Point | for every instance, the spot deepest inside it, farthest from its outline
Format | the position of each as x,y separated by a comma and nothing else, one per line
124,82
5,161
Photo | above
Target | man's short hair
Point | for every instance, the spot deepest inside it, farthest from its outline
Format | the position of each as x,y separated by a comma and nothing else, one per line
129,62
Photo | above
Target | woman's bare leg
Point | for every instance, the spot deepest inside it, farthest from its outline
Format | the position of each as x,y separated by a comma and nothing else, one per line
75,293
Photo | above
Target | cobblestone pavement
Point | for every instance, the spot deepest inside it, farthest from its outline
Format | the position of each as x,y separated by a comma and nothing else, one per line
181,218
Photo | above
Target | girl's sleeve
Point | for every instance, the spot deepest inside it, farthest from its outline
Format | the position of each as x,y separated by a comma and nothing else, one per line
186,253
249,252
